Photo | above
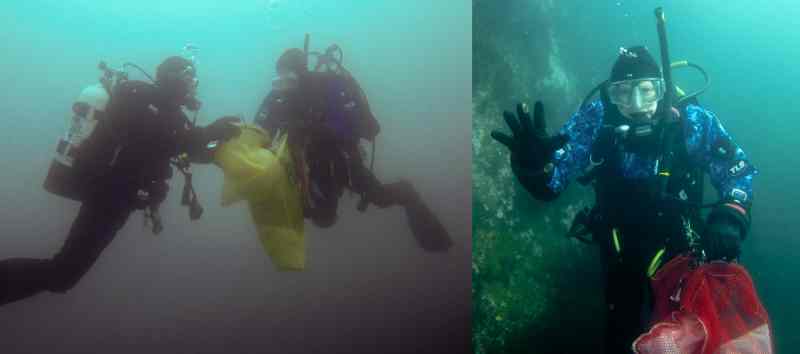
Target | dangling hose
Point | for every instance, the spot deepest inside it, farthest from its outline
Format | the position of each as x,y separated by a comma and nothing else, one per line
152,217
684,64
137,67
189,196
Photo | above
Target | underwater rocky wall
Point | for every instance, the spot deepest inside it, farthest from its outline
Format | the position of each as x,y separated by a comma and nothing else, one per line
534,290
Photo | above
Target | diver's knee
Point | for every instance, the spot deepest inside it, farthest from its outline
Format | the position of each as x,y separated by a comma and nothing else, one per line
62,287
64,277
63,284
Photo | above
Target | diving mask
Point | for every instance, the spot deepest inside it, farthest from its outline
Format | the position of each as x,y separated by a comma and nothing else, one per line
189,78
285,81
637,94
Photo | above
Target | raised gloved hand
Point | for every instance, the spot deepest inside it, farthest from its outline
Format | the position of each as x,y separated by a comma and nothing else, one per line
531,148
725,229
222,129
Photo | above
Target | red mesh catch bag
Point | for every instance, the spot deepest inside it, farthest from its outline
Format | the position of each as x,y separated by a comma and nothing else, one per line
711,309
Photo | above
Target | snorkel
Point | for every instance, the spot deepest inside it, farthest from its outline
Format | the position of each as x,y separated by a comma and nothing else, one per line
669,92
668,118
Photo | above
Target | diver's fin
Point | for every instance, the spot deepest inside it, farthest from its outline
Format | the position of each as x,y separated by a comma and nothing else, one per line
426,227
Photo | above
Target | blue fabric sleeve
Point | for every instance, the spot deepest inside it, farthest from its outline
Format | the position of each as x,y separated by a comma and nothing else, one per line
710,145
582,130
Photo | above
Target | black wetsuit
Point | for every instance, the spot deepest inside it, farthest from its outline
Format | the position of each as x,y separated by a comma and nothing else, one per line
644,225
325,118
119,165
332,152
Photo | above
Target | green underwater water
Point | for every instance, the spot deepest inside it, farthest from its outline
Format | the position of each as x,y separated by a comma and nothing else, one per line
534,291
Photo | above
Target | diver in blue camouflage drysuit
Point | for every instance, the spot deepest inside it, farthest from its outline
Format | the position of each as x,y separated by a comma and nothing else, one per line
645,213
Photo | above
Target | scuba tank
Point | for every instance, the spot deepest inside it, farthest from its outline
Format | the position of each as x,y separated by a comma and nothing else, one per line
63,179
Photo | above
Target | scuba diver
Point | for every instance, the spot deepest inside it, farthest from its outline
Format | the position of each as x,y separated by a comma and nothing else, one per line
645,158
139,130
325,113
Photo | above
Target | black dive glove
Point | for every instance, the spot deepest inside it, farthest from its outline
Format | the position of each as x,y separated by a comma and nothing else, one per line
203,141
531,149
222,129
725,229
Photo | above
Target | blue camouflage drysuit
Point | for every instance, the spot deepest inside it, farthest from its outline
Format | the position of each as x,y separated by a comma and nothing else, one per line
704,136
646,228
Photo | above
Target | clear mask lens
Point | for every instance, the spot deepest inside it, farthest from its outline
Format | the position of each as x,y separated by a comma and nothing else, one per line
637,94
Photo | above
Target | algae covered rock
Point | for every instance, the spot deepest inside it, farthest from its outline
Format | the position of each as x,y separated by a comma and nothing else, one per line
532,287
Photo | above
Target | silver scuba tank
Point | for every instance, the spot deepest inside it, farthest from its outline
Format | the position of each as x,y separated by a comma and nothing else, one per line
62,179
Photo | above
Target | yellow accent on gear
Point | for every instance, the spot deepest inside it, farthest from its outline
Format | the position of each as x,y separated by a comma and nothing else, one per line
679,91
615,236
651,270
262,177
679,64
